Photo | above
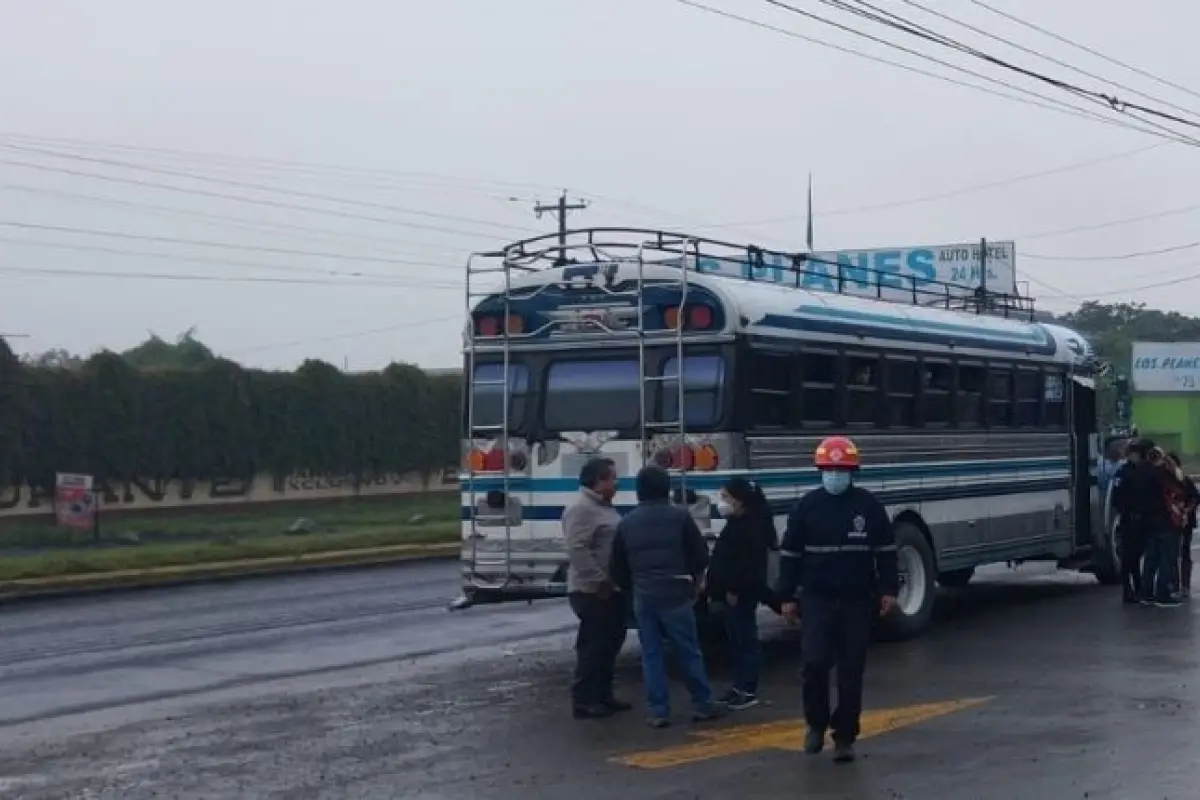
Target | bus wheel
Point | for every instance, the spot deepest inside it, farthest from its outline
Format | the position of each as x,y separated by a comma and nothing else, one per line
1107,564
914,606
956,578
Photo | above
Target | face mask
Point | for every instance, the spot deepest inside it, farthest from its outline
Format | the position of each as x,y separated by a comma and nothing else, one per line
835,482
725,509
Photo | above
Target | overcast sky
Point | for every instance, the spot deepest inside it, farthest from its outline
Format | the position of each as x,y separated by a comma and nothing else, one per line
466,111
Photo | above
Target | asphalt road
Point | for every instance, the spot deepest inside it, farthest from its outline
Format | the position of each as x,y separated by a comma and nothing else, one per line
361,685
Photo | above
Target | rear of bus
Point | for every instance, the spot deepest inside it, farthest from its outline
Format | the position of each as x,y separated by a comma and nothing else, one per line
575,384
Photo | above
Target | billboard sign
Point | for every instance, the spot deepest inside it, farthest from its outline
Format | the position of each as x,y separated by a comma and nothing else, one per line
74,501
892,269
1166,367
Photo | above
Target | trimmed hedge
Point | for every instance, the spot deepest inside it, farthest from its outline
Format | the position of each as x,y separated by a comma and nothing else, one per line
221,420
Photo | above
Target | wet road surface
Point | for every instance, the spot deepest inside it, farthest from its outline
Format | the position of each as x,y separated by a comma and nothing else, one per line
361,685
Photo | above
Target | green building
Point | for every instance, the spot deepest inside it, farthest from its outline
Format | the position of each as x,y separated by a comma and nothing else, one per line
1165,381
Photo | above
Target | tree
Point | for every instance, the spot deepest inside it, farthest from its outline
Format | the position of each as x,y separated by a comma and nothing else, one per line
58,358
13,407
188,352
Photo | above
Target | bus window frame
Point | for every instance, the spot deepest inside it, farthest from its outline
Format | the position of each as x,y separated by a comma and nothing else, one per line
527,396
888,360
995,367
980,421
747,389
838,386
874,389
947,361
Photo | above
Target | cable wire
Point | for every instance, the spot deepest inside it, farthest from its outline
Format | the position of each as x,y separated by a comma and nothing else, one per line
1084,48
221,245
191,277
897,22
1116,257
1043,56
1050,104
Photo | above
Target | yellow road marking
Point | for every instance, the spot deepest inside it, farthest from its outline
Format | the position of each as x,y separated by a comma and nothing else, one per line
785,735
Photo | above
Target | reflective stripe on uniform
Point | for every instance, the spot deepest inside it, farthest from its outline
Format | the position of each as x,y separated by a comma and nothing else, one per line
886,548
790,554
837,548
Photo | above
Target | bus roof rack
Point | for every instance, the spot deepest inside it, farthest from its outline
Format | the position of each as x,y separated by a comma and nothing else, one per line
603,245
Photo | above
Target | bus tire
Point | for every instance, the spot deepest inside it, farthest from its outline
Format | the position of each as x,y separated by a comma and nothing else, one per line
956,578
1106,566
914,605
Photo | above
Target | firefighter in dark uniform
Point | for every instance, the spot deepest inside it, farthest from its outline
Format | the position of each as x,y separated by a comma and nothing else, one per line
1125,491
838,570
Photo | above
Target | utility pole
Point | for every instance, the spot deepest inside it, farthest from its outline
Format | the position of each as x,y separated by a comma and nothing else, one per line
560,209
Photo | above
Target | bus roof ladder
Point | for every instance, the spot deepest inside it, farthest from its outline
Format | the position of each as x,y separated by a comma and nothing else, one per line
475,269
688,248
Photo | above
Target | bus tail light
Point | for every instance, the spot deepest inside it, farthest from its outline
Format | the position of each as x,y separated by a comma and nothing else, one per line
685,458
491,459
697,317
490,325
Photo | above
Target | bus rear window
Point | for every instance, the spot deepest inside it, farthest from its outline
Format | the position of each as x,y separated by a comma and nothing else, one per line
592,396
487,385
702,379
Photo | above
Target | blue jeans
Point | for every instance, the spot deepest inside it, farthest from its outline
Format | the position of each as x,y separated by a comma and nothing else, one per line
676,623
741,626
1158,565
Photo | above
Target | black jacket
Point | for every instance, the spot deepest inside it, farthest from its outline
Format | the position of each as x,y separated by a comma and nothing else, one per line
739,558
1143,497
839,546
659,553
1193,498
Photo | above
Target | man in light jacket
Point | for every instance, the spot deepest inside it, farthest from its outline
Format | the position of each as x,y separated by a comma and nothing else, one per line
590,524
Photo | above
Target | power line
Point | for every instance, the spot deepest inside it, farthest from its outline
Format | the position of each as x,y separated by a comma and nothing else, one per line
255,201
305,230
1049,103
278,164
1171,212
971,188
1116,257
221,245
112,162
217,261
1083,48
1036,53
186,277
896,22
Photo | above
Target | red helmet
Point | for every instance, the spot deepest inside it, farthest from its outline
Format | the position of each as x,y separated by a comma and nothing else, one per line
836,452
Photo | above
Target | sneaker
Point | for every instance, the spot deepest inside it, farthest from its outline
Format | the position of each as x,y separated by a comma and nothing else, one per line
613,704
658,723
714,710
814,741
592,712
843,752
742,700
1168,603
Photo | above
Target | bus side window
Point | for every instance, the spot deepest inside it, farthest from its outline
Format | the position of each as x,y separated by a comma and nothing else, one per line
1000,397
937,385
971,380
900,388
818,401
770,389
862,390
1055,394
1029,398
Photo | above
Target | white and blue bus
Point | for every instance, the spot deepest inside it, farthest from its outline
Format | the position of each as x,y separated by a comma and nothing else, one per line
976,424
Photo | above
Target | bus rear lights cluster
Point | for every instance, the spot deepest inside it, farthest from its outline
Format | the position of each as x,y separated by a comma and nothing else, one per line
490,325
492,460
702,458
696,318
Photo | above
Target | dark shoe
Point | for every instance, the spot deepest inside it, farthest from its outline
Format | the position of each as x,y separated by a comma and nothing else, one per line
741,700
714,710
1170,602
814,741
613,704
658,722
843,752
592,712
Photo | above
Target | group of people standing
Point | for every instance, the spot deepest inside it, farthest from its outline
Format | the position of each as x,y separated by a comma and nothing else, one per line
837,567
1156,503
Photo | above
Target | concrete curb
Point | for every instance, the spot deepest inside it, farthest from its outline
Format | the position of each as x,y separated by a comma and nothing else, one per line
129,580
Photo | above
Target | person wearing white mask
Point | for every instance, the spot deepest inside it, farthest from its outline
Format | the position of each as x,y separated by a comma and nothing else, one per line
838,566
737,580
